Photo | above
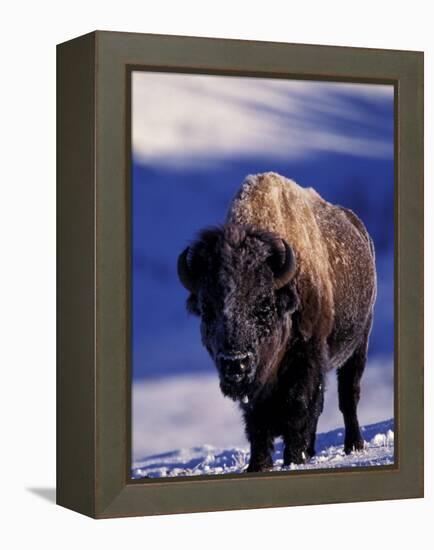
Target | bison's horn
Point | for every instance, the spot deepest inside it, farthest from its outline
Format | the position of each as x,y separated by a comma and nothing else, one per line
284,271
184,270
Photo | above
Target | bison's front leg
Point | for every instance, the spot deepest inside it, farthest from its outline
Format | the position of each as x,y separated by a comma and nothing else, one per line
300,433
297,444
261,444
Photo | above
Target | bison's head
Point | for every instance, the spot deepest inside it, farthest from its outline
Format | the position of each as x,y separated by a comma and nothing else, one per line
240,283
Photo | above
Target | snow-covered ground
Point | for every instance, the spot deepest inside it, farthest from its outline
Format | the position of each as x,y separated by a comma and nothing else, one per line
206,459
188,411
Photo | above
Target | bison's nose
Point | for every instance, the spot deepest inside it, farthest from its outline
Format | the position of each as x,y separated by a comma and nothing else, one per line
234,367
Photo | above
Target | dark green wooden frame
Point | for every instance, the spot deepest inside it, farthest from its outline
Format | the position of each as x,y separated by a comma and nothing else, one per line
93,375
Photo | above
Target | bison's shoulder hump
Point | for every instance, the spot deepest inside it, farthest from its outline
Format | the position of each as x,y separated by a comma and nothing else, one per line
270,201
268,184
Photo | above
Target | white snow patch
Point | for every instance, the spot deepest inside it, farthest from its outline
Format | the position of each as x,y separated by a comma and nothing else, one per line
207,460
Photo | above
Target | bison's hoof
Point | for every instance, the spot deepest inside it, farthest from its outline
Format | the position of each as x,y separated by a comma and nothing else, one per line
260,466
355,445
295,457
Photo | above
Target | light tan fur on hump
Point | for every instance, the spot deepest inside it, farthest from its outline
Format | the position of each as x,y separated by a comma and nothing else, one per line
278,204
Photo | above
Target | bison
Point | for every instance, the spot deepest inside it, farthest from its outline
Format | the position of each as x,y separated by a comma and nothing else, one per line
285,291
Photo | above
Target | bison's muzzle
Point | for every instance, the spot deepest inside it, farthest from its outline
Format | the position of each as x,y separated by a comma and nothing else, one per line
235,367
236,373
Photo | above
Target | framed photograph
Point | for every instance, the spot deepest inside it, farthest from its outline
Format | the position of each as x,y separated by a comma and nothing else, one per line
240,274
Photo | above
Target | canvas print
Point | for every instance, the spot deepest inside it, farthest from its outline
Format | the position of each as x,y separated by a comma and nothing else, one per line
262,276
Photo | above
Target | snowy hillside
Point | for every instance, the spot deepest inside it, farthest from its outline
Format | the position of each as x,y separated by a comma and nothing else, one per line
206,459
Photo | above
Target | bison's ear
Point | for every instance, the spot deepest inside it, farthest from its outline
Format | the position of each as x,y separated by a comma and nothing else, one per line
185,270
287,299
282,262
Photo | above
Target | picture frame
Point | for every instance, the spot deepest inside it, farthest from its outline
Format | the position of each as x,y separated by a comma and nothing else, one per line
94,257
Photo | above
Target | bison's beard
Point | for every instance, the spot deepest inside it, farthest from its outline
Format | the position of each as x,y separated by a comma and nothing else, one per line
242,391
261,379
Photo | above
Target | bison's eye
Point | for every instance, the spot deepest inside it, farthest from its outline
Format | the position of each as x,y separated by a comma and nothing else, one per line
263,316
263,309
